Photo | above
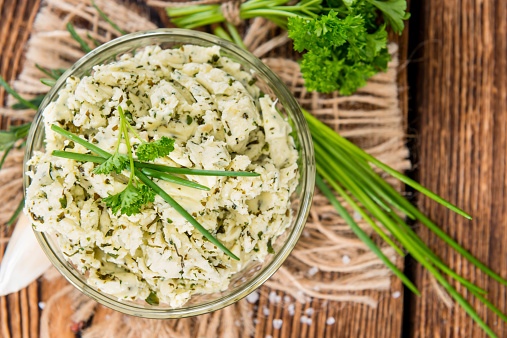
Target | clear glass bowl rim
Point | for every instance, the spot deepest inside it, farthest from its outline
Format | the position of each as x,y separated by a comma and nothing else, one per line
307,179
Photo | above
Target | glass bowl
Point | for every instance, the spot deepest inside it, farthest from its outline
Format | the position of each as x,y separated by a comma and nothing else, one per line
254,274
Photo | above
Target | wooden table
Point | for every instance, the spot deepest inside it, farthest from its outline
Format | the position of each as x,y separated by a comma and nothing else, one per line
454,93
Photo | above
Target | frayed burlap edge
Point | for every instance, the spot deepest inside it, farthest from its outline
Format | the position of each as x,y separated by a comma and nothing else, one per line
327,245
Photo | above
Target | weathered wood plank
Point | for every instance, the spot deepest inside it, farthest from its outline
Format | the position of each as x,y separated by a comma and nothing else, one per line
461,101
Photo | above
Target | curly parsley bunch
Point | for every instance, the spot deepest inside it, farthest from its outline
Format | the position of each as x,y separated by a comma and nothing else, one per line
343,40
345,47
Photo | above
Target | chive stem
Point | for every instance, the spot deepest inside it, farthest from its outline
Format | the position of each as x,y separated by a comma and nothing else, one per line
106,18
11,91
150,184
362,235
75,36
158,167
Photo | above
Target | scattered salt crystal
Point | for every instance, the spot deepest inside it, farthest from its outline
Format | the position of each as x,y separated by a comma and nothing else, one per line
309,311
265,311
306,320
277,324
291,309
272,297
313,271
330,321
346,259
396,294
269,336
278,299
357,216
253,297
42,305
256,321
287,299
306,233
237,323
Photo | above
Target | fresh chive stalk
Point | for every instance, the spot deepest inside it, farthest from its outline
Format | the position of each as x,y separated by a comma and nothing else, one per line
16,213
348,170
192,16
157,167
150,184
75,36
362,235
11,91
150,172
106,18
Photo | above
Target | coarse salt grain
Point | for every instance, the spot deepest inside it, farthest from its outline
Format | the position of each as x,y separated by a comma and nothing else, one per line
42,305
309,311
346,259
396,294
265,311
313,271
277,324
287,299
330,321
269,336
253,297
272,297
304,319
291,309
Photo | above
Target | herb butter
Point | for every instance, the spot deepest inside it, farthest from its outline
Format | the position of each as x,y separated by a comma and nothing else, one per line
219,120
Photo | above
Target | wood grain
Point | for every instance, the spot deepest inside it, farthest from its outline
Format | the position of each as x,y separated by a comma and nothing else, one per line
461,102
19,313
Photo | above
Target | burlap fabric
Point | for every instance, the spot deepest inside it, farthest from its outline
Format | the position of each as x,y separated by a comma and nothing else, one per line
327,250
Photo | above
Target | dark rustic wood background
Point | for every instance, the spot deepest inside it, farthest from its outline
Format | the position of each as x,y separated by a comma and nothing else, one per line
453,90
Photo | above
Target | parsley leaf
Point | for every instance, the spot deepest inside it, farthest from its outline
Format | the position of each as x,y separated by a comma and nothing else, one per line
117,163
152,150
393,12
131,200
341,53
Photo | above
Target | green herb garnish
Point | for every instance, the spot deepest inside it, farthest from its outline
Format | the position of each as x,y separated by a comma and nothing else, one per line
152,150
75,36
157,167
152,299
270,247
346,168
344,42
135,196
